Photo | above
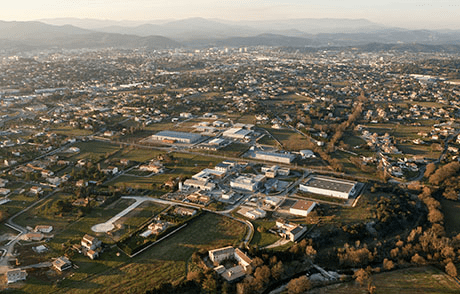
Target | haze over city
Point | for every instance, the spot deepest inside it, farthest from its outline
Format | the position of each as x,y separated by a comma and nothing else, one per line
409,14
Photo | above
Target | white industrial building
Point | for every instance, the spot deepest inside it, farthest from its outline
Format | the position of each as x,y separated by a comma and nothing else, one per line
302,207
181,137
237,133
289,230
307,154
225,166
285,158
273,171
220,254
200,184
208,174
247,183
255,213
329,186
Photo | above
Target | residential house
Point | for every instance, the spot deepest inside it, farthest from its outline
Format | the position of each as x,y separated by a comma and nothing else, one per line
3,183
36,190
62,263
289,230
90,243
34,236
4,191
43,229
184,211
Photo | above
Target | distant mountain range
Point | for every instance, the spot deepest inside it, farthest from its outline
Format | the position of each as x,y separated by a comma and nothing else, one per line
74,33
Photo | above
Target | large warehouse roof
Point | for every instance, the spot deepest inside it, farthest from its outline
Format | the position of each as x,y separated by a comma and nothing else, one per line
332,184
179,135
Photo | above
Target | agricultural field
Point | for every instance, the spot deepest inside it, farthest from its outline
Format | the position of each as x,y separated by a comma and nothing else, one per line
95,150
164,262
69,131
291,141
136,154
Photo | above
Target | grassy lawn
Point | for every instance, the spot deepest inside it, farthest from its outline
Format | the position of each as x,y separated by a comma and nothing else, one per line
425,150
351,140
184,164
380,128
267,140
410,132
67,130
140,155
261,236
70,226
164,262
246,119
167,125
139,182
18,202
94,149
291,140
136,218
232,150
352,169
7,230
411,280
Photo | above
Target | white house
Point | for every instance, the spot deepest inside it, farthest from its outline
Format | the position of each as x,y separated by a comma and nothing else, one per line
90,243
43,229
62,263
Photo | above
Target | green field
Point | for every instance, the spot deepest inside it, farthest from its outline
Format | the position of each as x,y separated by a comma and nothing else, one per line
164,262
94,150
231,150
139,155
72,226
137,182
424,150
404,281
290,140
69,131
351,140
261,236
267,140
17,203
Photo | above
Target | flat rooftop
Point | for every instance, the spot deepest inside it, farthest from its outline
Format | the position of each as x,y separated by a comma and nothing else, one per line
275,154
332,184
180,135
303,205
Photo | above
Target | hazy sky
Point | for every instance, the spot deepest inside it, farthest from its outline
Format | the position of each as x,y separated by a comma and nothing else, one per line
433,14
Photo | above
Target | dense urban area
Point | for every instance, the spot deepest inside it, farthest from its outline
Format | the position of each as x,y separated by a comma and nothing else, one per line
229,170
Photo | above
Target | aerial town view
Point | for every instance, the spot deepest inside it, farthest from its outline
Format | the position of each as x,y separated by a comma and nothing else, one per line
215,149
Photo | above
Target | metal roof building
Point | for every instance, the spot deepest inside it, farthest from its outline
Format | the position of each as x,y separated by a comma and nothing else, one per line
181,137
275,157
329,186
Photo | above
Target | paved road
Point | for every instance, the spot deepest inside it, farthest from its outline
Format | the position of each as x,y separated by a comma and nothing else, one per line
7,250
107,226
